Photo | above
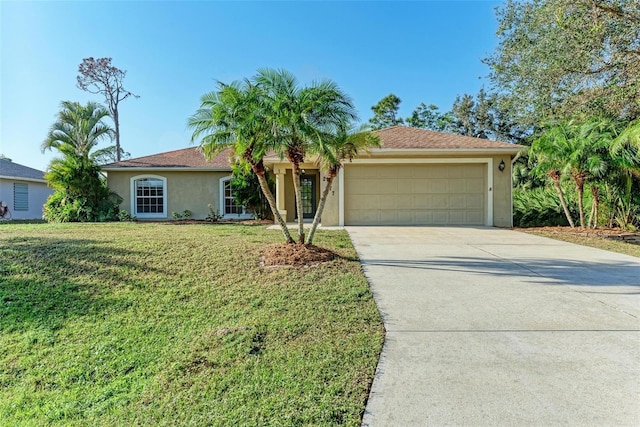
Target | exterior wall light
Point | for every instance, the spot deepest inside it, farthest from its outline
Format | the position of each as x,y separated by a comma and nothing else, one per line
501,166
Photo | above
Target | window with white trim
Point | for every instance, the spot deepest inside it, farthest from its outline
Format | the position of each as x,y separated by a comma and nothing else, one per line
229,208
20,196
149,196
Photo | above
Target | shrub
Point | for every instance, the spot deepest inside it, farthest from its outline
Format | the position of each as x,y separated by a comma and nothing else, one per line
540,207
213,216
124,216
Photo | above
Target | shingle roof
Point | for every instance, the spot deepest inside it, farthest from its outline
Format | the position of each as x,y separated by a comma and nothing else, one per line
191,157
396,137
15,170
404,137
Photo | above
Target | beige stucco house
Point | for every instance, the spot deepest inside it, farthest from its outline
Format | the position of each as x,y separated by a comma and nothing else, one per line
417,177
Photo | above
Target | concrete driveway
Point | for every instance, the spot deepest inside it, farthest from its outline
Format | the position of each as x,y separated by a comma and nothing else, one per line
496,327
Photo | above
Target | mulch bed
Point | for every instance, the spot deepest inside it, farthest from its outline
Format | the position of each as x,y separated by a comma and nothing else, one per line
224,221
295,255
603,233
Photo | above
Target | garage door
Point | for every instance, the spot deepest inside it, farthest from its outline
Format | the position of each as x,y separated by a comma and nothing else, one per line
425,194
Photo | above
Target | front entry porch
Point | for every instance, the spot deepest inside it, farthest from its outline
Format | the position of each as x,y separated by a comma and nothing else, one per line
285,194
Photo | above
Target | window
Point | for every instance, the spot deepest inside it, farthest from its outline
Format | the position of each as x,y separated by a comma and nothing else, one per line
229,208
20,196
149,197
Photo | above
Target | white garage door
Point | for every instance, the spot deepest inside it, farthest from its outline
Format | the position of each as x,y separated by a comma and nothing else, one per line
424,194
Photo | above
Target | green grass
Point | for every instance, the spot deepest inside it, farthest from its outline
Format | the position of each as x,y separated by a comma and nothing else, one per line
594,242
159,324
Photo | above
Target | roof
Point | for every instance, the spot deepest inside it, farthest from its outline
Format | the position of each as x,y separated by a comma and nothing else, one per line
9,169
393,138
405,137
192,158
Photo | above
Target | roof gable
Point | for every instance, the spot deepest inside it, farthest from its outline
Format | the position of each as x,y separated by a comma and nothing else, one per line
405,137
9,169
191,157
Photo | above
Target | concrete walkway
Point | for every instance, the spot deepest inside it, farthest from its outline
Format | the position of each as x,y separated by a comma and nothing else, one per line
496,327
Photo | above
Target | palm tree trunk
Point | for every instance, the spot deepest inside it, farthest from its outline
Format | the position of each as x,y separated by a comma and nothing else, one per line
259,171
298,192
590,220
579,180
596,204
323,199
555,177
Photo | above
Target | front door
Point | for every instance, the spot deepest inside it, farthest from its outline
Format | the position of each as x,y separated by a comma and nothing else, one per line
308,190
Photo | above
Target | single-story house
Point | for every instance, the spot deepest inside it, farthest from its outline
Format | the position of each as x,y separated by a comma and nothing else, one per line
23,189
416,177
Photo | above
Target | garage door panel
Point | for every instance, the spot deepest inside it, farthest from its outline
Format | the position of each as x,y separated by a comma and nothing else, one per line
406,185
403,173
439,186
474,186
439,201
422,187
439,194
475,202
365,201
457,201
476,172
423,217
457,217
401,201
474,218
386,186
363,217
457,185
388,203
421,201
441,218
404,217
388,217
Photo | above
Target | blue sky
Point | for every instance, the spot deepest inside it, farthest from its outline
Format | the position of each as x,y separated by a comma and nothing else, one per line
173,52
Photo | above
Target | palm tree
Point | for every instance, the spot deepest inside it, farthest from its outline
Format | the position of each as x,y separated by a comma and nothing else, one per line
78,129
547,155
626,148
625,154
589,159
233,116
299,117
332,151
80,192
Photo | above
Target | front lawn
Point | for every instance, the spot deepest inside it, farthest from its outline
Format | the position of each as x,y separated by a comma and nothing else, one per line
161,324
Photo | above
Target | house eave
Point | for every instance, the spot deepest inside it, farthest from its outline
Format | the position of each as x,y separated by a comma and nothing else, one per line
457,152
18,178
419,152
166,169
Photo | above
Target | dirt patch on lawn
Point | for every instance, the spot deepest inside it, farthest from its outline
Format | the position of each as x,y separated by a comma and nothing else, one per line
294,255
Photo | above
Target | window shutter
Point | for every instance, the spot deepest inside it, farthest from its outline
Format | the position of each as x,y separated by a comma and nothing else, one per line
20,196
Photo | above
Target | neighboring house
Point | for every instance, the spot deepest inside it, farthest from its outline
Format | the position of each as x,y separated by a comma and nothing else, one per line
417,177
23,189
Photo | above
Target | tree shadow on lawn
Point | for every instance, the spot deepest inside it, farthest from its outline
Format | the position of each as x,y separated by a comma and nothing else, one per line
559,271
45,281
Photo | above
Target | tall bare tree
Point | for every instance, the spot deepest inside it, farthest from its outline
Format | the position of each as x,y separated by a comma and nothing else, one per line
99,76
